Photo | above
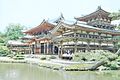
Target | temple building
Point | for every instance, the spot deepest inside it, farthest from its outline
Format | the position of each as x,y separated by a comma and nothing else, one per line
18,46
91,32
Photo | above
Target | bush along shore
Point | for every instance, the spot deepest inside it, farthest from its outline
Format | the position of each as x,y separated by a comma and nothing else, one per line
89,61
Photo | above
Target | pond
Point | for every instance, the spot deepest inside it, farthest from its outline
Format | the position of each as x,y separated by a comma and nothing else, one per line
15,71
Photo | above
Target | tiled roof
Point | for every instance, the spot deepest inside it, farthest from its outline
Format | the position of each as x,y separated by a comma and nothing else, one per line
44,26
98,12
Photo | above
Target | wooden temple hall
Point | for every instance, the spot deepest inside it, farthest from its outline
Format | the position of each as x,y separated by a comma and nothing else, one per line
91,32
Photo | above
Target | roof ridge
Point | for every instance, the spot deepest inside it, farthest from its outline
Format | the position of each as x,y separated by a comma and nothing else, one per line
99,9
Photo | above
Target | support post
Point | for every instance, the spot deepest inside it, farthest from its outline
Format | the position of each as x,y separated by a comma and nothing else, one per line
39,47
53,49
47,48
88,42
44,48
61,50
113,42
99,41
75,41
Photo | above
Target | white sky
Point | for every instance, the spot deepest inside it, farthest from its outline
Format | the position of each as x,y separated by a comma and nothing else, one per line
30,13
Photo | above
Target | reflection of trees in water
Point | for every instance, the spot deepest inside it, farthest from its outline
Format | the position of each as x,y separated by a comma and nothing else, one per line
71,75
108,75
12,74
31,72
49,74
89,75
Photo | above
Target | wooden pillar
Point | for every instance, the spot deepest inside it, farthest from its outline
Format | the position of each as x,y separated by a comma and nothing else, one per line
99,41
61,48
53,49
58,50
35,47
82,46
75,41
88,42
107,40
44,48
32,49
47,48
113,42
39,47
29,48
75,47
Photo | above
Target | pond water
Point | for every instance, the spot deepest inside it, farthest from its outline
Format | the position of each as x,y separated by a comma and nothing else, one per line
30,72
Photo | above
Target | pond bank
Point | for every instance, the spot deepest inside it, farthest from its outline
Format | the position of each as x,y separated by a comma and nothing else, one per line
55,64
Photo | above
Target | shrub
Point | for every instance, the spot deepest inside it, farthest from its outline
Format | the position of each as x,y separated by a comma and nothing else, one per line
118,59
114,66
84,59
112,57
52,57
11,55
77,55
92,59
43,58
108,64
95,55
18,57
4,51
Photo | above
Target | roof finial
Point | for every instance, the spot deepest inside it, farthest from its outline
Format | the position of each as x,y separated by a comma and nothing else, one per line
61,16
99,7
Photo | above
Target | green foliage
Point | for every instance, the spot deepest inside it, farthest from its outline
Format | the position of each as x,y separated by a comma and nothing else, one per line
113,65
118,59
43,58
14,31
18,57
52,57
84,59
10,55
1,40
112,57
96,55
4,51
115,15
99,55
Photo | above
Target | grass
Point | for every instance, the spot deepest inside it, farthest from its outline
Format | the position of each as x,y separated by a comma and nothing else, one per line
79,66
49,65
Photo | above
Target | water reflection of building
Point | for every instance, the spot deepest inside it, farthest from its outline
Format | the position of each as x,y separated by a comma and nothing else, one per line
91,32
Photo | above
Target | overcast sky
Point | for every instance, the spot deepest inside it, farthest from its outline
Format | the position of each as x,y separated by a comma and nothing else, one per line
30,13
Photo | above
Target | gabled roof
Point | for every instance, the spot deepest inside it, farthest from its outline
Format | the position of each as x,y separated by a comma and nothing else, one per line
91,28
27,37
60,18
44,26
13,42
83,27
60,24
98,13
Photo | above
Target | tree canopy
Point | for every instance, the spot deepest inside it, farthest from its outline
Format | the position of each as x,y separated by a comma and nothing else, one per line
14,31
115,15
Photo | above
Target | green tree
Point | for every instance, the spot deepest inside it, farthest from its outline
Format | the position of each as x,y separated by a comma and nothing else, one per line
115,15
14,31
